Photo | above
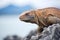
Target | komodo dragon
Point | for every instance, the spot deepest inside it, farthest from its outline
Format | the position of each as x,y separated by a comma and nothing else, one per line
42,17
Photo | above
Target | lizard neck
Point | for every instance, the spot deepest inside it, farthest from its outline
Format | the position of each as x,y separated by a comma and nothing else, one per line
40,20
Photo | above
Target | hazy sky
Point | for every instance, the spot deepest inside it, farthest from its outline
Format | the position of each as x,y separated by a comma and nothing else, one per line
34,3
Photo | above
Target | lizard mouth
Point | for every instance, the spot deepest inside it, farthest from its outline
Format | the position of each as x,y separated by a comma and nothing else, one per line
25,20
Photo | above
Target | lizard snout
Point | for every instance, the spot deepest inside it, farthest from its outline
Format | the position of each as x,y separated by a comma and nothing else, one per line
20,17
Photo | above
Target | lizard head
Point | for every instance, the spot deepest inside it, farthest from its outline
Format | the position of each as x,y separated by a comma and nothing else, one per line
27,17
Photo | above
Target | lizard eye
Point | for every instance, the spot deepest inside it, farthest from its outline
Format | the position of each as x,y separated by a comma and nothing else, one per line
27,14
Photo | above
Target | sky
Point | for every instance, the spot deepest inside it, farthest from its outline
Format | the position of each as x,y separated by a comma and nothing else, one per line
33,3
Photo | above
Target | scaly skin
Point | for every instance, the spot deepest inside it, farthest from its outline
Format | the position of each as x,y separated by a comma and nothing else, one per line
42,17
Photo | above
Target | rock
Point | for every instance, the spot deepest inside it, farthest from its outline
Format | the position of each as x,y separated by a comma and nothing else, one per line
32,33
13,37
50,33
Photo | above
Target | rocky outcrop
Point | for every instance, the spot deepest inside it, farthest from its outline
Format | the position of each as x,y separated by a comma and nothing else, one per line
50,33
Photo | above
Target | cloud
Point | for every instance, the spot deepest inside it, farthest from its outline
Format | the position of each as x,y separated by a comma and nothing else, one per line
33,3
45,3
4,3
20,2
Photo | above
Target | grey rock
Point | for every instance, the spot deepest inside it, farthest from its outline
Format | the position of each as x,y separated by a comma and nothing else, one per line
50,33
13,37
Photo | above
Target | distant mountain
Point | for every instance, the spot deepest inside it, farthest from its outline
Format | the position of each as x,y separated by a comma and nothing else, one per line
14,10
